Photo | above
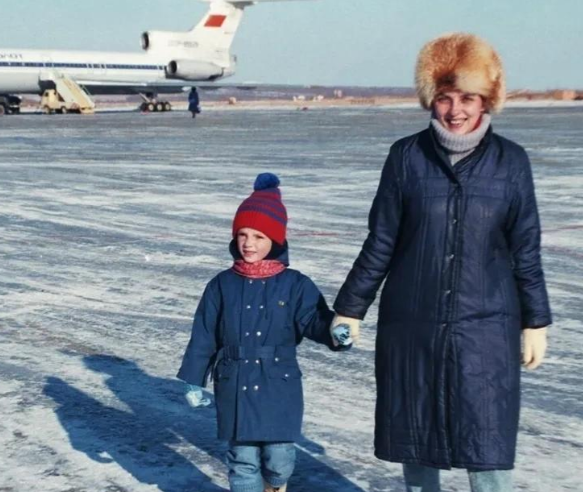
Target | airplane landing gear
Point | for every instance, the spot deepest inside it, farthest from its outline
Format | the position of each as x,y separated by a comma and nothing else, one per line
152,105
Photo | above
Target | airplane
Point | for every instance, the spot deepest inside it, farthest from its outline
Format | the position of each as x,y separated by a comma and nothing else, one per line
172,62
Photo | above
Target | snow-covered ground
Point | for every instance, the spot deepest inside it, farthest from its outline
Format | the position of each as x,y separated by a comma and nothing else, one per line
112,224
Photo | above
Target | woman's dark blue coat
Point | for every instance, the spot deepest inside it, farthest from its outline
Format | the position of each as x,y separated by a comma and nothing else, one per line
460,250
246,332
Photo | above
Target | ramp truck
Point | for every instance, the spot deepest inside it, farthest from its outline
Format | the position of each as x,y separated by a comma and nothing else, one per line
9,104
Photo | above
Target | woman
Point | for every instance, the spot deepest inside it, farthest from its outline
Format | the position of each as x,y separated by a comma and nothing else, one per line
454,229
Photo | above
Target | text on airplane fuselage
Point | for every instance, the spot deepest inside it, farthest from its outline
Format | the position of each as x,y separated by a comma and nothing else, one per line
11,56
183,44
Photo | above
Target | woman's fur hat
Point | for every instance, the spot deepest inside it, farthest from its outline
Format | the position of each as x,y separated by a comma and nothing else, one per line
463,62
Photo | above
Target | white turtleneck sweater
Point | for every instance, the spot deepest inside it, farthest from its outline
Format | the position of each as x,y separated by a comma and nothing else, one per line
460,146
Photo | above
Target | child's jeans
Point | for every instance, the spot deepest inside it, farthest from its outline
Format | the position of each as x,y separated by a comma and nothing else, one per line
252,463
420,478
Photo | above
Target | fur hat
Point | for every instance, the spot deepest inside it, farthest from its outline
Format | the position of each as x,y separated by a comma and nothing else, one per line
463,62
263,210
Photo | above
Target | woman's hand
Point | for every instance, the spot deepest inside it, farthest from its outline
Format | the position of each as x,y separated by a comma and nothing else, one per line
534,346
341,337
353,324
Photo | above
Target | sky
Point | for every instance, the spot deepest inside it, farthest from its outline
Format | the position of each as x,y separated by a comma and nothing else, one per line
328,42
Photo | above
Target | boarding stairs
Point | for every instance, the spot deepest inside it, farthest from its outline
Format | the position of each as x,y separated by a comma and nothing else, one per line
67,96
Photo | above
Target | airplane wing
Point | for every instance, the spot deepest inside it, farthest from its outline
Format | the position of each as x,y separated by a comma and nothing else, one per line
96,87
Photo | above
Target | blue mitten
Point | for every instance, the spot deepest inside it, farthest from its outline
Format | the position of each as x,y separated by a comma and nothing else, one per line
196,397
341,334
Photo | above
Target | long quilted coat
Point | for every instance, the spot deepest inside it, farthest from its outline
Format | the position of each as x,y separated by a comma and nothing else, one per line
245,332
460,250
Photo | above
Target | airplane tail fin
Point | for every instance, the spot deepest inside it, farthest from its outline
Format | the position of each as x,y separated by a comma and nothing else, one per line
216,30
218,27
208,42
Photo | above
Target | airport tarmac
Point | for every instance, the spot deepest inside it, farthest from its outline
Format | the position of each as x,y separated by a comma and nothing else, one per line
111,226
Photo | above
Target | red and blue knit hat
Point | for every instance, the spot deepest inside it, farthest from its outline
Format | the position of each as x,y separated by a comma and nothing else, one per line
263,210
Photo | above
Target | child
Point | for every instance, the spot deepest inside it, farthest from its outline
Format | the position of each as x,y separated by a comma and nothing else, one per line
246,329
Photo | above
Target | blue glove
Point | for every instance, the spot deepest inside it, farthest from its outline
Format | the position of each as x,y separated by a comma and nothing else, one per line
195,396
341,334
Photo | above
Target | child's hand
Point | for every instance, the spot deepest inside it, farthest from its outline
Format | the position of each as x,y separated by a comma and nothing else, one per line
196,397
341,337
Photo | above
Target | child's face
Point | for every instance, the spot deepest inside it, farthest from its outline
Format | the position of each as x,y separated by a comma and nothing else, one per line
253,245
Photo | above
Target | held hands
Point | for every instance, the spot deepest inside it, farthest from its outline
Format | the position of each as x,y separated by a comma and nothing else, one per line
353,325
534,346
341,337
196,397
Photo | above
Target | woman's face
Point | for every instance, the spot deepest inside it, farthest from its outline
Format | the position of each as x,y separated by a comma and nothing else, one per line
458,112
253,245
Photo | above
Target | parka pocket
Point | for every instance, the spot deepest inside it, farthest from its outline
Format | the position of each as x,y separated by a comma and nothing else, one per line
280,313
224,370
284,372
488,188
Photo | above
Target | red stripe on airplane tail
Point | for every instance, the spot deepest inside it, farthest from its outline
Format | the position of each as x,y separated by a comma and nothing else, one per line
215,21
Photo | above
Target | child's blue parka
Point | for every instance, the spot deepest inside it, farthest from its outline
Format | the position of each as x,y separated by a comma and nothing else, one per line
245,332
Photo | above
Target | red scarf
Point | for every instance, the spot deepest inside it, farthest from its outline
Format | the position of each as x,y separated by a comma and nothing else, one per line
260,269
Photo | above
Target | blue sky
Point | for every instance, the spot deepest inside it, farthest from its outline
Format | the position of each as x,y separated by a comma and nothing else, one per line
332,42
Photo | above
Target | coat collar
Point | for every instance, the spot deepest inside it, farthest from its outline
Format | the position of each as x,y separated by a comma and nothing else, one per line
431,143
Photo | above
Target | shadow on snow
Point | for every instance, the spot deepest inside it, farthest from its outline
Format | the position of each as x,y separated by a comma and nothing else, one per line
151,438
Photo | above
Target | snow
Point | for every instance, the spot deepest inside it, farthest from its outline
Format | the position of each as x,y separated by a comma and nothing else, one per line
111,226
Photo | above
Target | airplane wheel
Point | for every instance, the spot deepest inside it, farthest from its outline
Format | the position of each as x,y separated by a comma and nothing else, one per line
151,107
2,109
46,110
159,107
64,110
167,106
143,107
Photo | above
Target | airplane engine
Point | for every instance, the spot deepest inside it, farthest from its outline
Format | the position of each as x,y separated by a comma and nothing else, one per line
166,41
193,70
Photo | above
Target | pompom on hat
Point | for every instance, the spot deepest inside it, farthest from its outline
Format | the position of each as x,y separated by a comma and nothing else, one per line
263,210
462,62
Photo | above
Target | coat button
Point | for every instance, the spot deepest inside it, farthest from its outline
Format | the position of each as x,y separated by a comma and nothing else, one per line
250,281
248,307
246,361
257,361
455,221
444,325
286,375
246,333
255,387
261,307
277,359
447,292
451,257
258,333
244,388
263,282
